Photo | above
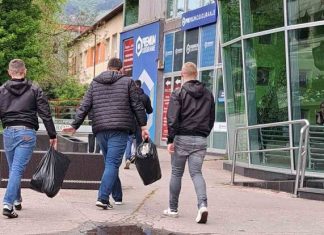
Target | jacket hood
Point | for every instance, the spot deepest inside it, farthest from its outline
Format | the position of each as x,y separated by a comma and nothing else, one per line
141,91
17,87
194,88
108,77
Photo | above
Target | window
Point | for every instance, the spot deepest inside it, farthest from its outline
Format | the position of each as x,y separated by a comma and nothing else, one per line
107,54
230,19
191,46
178,51
193,4
114,46
131,12
170,9
207,2
180,7
305,11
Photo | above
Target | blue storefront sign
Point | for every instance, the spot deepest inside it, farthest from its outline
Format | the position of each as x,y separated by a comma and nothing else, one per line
168,53
198,17
146,52
207,45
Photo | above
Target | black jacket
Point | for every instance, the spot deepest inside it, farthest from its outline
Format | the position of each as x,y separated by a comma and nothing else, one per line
20,102
114,101
146,101
191,111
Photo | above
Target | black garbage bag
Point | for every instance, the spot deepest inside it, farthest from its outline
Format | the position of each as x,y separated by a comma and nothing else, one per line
50,173
147,162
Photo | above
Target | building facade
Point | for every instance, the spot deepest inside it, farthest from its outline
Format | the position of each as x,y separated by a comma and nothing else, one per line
273,72
158,37
90,51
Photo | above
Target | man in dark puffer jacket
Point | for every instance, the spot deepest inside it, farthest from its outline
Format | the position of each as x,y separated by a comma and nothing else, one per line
114,101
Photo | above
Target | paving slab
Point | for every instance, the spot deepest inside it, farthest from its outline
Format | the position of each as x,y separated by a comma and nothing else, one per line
232,209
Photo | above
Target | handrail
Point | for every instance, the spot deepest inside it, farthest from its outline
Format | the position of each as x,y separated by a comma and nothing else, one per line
302,148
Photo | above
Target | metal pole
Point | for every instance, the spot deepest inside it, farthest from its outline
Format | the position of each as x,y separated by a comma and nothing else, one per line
304,155
234,157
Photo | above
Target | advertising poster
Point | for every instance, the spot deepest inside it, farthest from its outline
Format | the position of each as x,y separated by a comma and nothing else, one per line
145,58
166,100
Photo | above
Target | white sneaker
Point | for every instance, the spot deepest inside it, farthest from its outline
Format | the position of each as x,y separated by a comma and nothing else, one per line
170,213
202,215
119,203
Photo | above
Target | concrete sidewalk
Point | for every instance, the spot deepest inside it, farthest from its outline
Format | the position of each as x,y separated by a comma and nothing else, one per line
232,209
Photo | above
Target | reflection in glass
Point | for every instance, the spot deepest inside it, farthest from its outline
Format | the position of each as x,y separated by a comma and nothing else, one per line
180,7
307,87
230,19
266,83
170,12
235,97
131,12
220,97
304,11
207,78
207,2
259,15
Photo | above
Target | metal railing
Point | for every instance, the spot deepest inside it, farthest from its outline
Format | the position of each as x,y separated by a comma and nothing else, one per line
302,147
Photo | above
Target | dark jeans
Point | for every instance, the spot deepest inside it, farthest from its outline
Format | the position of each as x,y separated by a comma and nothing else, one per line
112,144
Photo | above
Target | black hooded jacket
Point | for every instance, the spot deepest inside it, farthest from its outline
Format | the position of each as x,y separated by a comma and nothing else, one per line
114,101
20,102
191,111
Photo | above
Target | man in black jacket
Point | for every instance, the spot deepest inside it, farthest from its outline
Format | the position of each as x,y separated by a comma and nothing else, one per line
20,102
190,117
137,136
114,101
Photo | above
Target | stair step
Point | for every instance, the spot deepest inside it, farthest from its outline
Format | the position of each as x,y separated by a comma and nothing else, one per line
311,190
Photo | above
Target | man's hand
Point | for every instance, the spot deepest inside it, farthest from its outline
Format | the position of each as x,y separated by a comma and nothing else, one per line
145,133
53,142
69,130
171,148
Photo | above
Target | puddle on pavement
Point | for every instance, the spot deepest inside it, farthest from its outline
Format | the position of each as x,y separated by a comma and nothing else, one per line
126,230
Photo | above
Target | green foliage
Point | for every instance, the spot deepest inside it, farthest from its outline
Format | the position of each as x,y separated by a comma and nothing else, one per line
19,23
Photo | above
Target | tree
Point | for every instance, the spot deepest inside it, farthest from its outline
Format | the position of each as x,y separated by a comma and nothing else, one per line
19,23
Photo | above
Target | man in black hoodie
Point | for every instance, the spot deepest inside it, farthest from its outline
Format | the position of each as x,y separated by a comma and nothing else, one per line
114,101
190,117
20,102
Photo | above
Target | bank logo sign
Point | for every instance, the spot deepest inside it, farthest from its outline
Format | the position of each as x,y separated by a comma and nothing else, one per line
145,44
199,17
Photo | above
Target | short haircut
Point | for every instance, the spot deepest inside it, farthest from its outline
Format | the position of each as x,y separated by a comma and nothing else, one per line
115,63
138,83
190,68
17,66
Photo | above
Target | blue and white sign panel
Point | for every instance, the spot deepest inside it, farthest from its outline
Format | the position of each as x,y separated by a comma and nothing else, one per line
145,59
199,17
207,45
168,53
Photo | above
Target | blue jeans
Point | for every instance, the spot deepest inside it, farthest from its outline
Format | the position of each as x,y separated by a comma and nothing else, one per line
18,145
112,144
138,137
193,149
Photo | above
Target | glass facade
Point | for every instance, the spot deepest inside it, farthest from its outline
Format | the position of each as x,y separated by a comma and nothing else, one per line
274,72
200,46
175,8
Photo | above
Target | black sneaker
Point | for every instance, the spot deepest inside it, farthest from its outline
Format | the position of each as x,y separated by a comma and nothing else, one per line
104,204
17,206
9,213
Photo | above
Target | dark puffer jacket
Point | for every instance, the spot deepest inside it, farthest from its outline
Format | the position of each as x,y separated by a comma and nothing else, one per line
191,111
114,101
20,102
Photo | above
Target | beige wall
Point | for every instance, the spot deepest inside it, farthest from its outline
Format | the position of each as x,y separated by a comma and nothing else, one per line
150,10
81,55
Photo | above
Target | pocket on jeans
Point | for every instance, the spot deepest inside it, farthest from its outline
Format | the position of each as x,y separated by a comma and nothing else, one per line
28,139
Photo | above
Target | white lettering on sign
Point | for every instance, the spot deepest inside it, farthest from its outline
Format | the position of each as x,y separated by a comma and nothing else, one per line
191,48
145,45
178,51
209,44
197,17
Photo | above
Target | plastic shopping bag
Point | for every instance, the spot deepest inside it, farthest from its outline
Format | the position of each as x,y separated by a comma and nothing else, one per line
50,173
147,162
